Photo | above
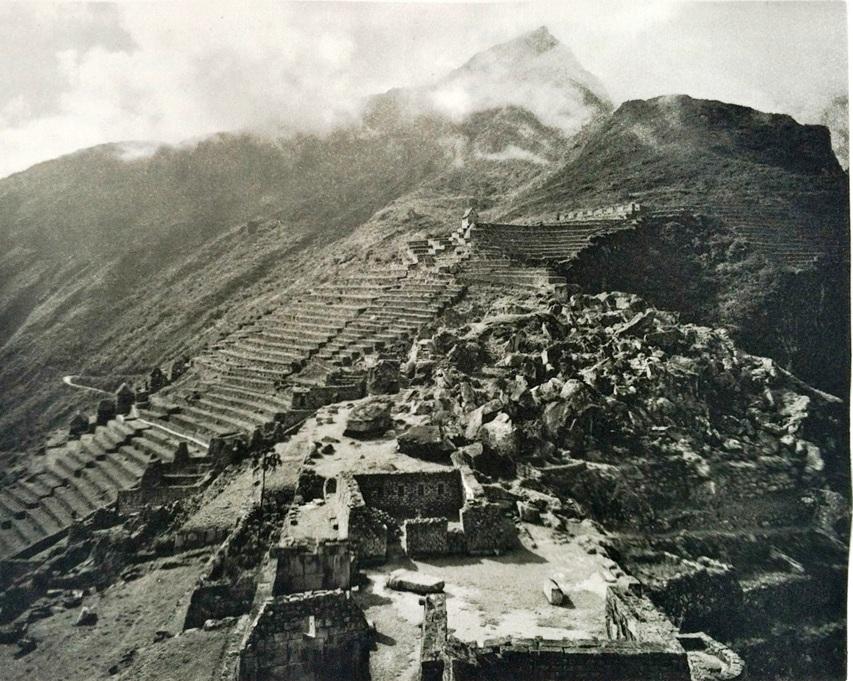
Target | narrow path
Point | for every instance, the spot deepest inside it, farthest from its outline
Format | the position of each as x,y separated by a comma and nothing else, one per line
69,380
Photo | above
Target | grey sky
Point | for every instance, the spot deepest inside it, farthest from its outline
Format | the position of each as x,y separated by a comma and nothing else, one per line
75,75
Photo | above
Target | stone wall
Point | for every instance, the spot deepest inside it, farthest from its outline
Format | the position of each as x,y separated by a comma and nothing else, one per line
216,595
320,395
425,537
318,636
408,495
197,537
433,637
216,600
356,523
308,566
578,660
632,617
447,659
487,530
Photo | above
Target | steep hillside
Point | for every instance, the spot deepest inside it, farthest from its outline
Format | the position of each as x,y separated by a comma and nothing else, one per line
769,183
676,150
128,261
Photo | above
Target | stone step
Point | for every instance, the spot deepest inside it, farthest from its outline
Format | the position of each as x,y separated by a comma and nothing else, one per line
80,502
290,348
199,427
267,376
214,421
217,407
251,405
277,402
259,357
288,339
237,382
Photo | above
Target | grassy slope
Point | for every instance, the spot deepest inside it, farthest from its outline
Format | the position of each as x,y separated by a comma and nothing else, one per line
112,267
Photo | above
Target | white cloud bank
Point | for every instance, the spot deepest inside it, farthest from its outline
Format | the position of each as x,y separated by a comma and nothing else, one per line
76,75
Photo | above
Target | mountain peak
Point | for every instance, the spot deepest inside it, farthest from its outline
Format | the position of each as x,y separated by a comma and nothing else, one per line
539,41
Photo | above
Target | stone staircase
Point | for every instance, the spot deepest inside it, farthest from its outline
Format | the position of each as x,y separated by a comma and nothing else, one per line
441,253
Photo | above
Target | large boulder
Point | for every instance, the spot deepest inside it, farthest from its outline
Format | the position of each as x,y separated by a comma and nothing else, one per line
482,414
486,461
549,391
370,418
425,442
500,436
467,356
383,378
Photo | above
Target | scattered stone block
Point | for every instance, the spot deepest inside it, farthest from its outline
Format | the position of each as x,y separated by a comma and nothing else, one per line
500,436
528,513
416,582
369,419
26,645
384,377
424,442
553,593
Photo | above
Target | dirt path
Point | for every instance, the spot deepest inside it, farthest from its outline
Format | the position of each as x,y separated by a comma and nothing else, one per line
69,380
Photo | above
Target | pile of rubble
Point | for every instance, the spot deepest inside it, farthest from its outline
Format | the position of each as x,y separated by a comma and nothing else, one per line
617,406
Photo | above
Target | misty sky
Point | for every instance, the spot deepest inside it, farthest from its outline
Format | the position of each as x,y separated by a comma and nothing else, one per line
73,75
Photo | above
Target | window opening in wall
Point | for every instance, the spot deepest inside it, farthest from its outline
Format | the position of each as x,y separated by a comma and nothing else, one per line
441,488
401,491
420,490
310,627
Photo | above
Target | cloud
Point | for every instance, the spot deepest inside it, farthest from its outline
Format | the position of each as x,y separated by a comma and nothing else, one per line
74,75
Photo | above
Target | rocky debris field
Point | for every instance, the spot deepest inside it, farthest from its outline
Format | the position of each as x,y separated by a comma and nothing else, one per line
637,420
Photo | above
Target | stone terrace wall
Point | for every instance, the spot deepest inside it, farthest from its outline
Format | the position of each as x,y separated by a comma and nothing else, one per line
216,601
216,595
425,537
317,636
407,495
301,566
